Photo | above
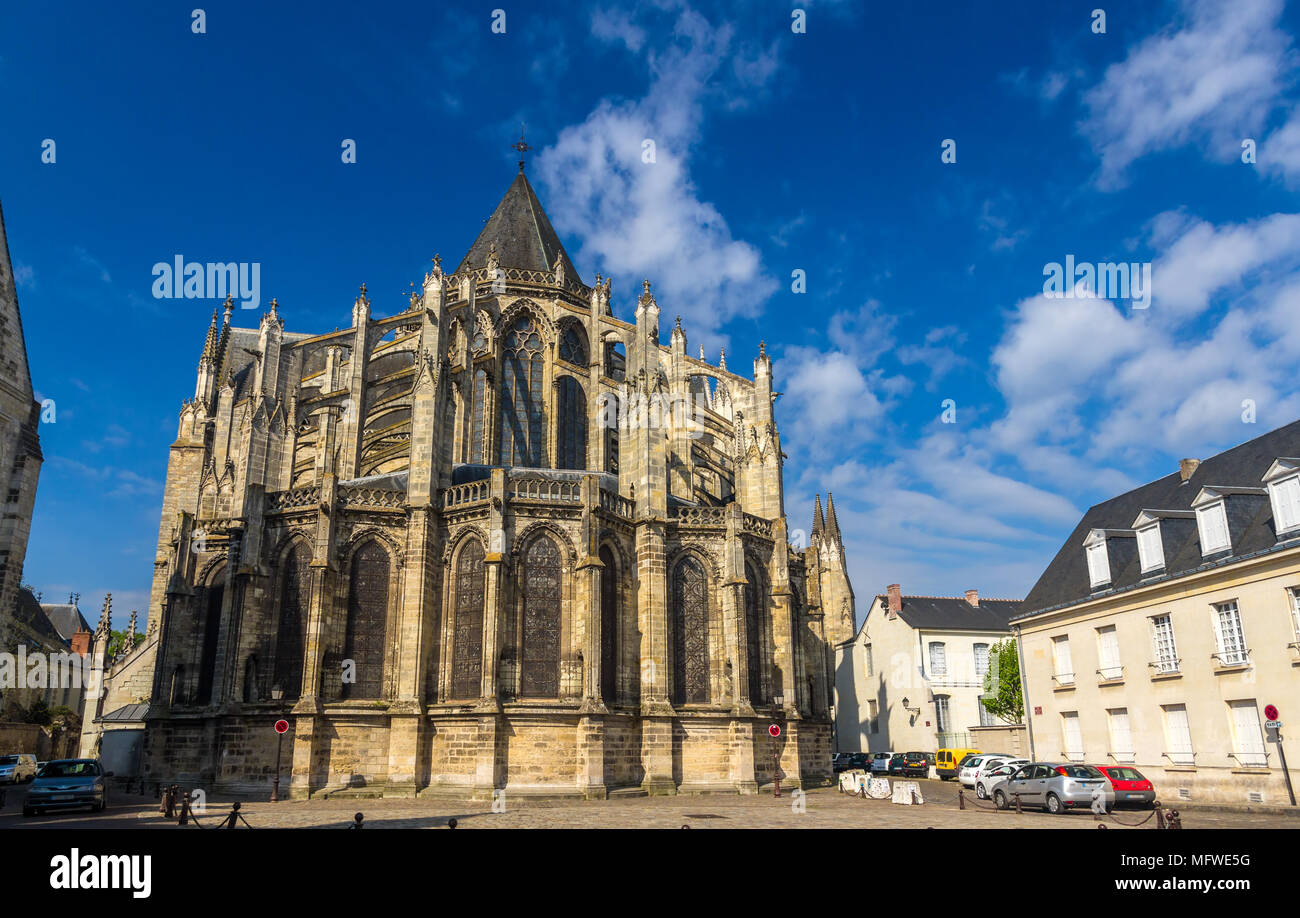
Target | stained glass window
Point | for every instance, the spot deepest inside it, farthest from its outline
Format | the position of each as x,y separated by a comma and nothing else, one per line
367,625
754,634
467,635
608,627
209,607
478,417
295,597
540,652
522,419
690,633
573,425
572,346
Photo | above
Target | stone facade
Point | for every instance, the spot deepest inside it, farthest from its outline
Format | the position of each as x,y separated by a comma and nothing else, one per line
20,447
502,539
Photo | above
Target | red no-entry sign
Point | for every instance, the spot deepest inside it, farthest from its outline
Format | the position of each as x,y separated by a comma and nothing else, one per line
1270,712
281,726
775,730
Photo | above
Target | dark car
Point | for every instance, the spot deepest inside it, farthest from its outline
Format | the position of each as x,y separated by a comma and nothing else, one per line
847,761
896,763
915,765
66,784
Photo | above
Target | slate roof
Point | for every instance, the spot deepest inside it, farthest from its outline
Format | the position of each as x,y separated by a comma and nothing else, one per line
66,619
1065,581
128,713
522,232
32,614
935,613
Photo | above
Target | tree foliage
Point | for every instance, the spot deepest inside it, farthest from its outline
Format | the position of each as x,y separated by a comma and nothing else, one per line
1003,697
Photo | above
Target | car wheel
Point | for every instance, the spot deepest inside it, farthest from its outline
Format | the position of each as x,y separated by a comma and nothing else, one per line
1054,805
999,800
980,792
945,777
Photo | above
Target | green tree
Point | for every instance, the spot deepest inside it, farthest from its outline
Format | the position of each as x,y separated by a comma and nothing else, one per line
118,643
1002,695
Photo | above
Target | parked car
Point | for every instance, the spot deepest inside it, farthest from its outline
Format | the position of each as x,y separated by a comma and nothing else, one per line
1055,786
15,769
66,784
896,764
880,761
915,765
1130,785
846,761
987,782
977,765
949,761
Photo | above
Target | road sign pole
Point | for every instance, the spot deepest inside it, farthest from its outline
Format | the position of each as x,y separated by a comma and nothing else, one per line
275,784
1286,775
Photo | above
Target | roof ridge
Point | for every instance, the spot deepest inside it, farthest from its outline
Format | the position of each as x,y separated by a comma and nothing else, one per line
983,599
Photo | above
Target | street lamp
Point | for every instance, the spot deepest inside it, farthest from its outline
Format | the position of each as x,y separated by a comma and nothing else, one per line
276,694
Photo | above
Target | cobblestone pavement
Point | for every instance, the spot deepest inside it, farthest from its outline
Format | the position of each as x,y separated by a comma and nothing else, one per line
824,808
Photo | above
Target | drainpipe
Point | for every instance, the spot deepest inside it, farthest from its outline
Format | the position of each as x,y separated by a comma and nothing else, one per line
1024,692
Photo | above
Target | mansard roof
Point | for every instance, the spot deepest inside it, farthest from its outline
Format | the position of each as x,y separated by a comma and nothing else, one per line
522,232
1066,580
954,613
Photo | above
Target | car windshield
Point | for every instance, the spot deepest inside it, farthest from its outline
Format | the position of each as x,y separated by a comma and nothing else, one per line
8,760
69,770
1002,770
1080,771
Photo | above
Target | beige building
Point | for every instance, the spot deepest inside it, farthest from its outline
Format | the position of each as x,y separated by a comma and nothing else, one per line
1169,621
910,680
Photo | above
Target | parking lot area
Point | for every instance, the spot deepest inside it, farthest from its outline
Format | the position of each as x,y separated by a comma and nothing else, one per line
818,808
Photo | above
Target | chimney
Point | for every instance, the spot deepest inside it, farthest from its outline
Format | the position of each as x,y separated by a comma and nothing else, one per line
895,599
973,597
1187,467
80,642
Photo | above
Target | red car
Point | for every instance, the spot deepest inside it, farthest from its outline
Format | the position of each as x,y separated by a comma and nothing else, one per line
1131,787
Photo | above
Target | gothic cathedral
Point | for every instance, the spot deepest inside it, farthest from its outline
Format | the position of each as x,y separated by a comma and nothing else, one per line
500,540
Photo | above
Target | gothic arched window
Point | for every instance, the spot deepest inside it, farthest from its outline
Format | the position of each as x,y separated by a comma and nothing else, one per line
209,612
540,647
608,627
608,404
690,599
367,626
467,633
177,692
572,438
478,419
573,347
754,621
291,638
522,419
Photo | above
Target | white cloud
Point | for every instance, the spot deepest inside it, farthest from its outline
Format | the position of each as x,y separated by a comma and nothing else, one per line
637,218
1212,79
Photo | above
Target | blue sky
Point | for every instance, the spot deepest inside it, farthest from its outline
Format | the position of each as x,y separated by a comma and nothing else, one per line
776,151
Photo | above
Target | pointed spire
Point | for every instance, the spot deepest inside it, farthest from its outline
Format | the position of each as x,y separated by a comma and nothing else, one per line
130,629
832,524
701,352
229,305
819,522
105,617
210,343
722,359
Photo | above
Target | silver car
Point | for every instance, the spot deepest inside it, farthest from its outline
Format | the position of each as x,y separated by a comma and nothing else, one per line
17,768
68,783
1056,787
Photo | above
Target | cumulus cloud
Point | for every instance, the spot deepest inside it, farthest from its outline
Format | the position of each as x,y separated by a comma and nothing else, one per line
636,218
1212,78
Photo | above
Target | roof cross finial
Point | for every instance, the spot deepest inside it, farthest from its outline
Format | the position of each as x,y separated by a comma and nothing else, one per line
521,146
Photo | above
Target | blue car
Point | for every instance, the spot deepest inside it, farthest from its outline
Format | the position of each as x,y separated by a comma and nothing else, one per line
68,784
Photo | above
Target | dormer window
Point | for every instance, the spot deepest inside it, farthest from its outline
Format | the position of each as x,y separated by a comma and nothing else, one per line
1150,548
1283,480
1098,562
1212,524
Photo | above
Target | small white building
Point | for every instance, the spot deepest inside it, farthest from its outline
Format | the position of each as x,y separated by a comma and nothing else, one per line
910,680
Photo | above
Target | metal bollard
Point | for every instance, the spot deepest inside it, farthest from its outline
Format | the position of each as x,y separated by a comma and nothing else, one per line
1175,821
1018,809
185,810
961,799
358,822
233,819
